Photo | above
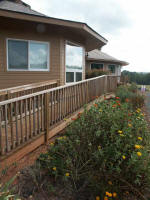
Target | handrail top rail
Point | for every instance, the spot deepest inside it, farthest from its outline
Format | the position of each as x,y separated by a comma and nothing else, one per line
50,90
26,87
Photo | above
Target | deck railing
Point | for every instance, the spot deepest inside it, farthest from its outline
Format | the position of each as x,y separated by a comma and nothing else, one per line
22,90
23,118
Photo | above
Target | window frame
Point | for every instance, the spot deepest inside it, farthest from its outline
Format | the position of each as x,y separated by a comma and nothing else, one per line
29,68
67,42
96,63
114,68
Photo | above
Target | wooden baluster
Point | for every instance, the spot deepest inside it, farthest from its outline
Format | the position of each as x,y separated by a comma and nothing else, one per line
6,128
42,110
71,104
25,113
11,125
30,118
60,103
1,136
65,101
52,108
38,115
21,124
73,98
46,115
34,120
16,118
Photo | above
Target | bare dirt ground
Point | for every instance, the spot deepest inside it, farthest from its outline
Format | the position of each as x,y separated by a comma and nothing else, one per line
26,161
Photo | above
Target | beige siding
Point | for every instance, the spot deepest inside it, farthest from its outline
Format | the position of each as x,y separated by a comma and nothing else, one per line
15,78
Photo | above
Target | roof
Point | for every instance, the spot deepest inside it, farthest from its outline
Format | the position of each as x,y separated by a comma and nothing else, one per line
22,11
97,55
18,7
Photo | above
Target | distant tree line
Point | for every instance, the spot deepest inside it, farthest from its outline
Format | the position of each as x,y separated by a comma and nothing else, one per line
138,77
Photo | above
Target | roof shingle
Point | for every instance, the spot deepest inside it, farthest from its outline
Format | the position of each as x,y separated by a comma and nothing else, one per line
101,56
17,7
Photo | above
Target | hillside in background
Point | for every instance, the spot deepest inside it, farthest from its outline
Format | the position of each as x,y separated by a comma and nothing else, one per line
138,77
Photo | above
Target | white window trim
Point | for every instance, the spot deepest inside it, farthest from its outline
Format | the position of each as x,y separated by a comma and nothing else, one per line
74,70
29,69
96,63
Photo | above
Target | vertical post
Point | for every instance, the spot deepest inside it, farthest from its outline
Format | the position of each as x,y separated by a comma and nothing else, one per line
87,92
46,115
105,85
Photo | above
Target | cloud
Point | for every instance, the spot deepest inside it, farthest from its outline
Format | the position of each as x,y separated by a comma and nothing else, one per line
103,16
124,23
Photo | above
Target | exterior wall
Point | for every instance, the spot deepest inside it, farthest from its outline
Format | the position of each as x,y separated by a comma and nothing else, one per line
15,78
117,70
57,42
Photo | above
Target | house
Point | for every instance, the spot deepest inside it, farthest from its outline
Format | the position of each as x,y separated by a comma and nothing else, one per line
96,59
35,47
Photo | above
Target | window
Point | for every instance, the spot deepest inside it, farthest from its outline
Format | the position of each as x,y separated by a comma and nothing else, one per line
78,76
74,62
112,68
69,77
17,55
97,66
28,55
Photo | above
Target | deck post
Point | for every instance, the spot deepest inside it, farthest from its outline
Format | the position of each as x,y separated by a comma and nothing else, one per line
46,115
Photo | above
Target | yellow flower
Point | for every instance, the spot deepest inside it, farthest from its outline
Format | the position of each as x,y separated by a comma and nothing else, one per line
137,146
139,153
122,135
124,157
109,182
100,110
120,132
54,168
130,125
99,147
65,119
109,194
97,198
67,174
51,144
140,138
114,194
138,110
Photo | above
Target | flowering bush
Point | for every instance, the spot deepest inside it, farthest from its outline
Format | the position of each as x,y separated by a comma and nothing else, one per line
104,153
130,93
95,72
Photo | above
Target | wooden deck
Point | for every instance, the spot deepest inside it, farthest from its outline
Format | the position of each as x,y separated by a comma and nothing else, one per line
26,118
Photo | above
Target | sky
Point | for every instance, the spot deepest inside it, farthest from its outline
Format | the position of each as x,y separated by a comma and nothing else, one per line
124,23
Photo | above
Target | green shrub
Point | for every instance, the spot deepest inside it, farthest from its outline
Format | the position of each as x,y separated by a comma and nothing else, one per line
133,88
123,93
137,101
103,153
95,73
130,93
